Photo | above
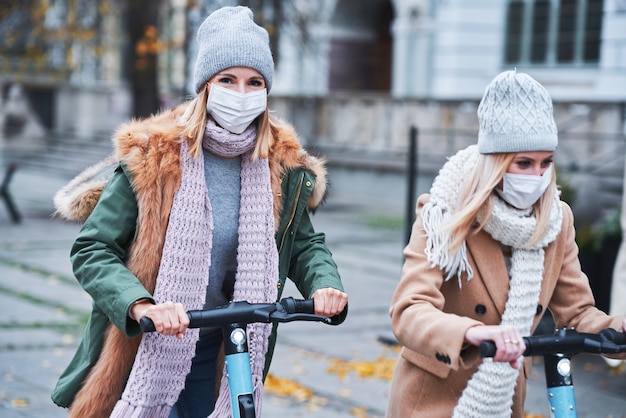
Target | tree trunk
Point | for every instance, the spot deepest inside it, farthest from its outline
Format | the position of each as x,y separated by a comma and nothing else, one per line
142,27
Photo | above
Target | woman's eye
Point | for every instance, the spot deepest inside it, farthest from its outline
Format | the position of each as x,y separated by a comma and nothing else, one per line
547,163
256,83
225,80
523,164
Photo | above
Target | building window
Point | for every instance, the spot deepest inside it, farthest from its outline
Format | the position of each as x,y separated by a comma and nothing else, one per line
553,32
540,35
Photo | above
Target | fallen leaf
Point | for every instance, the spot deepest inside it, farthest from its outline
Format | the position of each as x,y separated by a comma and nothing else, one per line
360,412
287,388
20,403
345,393
382,368
318,400
619,370
590,367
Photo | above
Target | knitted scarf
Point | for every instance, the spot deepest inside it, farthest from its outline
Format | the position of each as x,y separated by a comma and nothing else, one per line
162,363
489,393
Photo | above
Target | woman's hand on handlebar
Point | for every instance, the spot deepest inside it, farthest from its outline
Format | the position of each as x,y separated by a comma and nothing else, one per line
169,318
509,343
329,301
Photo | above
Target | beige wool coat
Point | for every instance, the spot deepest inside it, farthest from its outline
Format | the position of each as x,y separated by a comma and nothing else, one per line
430,317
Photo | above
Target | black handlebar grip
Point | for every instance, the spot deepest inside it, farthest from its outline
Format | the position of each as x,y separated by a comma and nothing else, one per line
293,306
340,317
487,349
308,306
305,306
146,325
613,335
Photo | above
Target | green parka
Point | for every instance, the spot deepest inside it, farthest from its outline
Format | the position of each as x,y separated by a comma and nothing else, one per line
107,254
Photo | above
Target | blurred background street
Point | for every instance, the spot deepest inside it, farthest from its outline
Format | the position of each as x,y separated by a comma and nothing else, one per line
385,89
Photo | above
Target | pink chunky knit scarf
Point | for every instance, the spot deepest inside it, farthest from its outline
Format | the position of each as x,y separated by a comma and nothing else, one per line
162,363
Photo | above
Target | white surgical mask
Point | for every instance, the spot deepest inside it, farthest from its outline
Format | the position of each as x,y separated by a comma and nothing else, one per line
522,190
233,110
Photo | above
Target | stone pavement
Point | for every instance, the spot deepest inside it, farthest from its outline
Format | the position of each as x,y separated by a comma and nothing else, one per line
42,311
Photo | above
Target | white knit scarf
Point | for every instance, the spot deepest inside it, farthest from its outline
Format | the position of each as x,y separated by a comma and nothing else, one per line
162,363
489,393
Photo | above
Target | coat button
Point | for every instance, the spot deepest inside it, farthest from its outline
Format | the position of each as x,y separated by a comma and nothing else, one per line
279,285
539,310
308,184
444,358
480,309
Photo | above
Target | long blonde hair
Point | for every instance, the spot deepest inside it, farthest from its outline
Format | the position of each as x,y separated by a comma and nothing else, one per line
196,119
476,198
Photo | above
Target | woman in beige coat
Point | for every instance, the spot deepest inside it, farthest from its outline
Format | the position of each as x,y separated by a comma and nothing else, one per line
492,248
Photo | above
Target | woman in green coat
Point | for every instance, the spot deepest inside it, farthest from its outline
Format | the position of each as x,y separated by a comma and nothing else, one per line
208,203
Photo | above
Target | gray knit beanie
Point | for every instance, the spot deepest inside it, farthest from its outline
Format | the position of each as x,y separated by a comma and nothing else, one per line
515,115
228,37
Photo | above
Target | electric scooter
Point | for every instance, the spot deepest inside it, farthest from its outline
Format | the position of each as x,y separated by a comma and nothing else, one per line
557,350
233,318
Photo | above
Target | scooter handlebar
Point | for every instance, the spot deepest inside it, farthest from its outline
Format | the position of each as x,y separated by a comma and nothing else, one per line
567,341
286,310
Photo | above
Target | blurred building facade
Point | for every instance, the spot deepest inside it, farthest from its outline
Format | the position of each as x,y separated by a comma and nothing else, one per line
353,75
372,69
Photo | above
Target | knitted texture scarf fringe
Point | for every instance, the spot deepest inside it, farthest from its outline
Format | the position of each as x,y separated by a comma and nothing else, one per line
162,363
489,393
438,210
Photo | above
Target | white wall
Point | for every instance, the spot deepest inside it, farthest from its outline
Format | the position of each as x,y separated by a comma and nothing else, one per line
87,111
468,47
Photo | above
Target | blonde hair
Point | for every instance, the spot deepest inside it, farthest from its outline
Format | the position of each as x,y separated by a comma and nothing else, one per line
476,198
196,119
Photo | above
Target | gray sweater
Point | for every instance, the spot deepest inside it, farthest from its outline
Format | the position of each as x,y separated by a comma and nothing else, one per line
223,180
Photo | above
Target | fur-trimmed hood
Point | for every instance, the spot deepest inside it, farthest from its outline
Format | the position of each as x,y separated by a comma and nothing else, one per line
149,148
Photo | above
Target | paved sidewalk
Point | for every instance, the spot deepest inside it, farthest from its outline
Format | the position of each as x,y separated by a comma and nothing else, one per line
42,311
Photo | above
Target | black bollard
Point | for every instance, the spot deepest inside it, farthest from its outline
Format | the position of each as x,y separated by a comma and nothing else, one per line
412,171
6,195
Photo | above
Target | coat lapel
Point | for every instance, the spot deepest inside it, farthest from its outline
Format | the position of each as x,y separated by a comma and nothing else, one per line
488,263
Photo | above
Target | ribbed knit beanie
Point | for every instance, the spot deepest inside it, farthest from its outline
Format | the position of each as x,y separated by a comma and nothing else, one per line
228,37
515,115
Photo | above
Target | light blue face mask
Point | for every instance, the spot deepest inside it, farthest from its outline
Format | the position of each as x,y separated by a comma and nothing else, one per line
233,110
523,190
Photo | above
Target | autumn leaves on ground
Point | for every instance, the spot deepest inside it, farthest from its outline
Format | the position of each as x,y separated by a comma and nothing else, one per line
381,368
